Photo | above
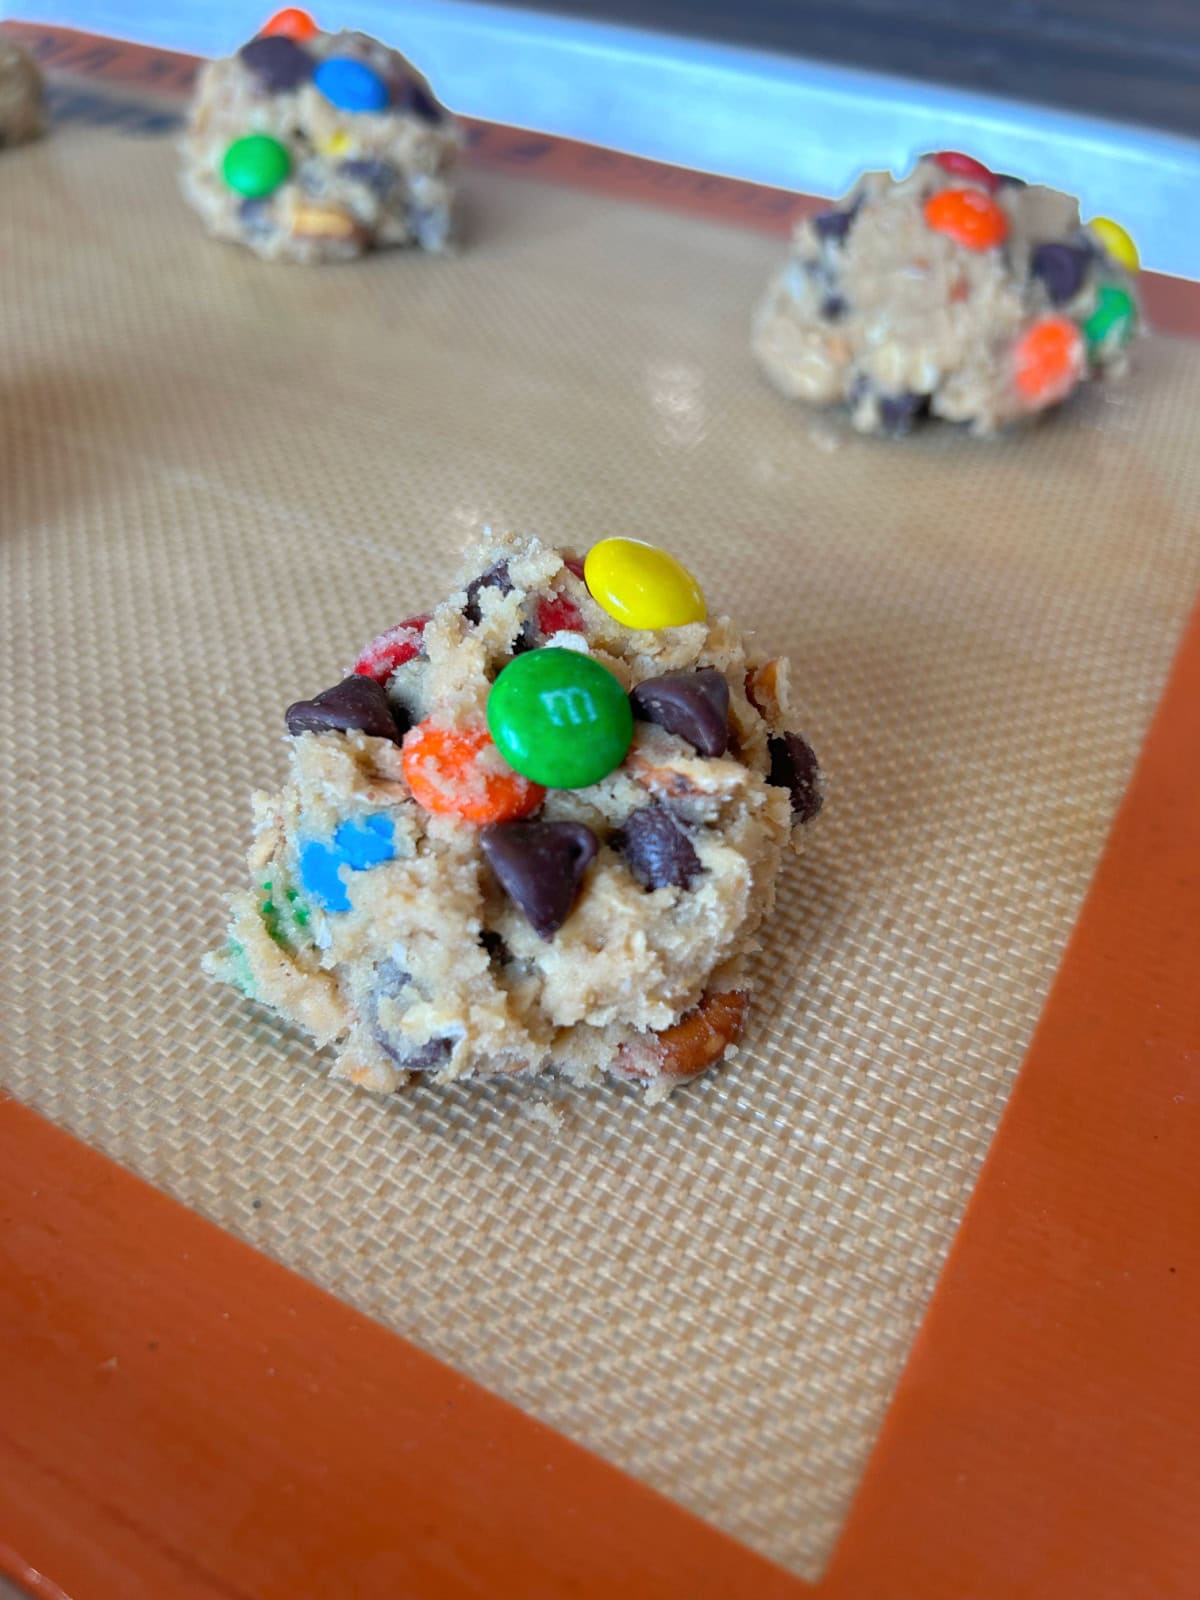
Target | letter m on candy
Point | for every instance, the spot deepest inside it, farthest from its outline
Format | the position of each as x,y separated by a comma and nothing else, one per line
571,707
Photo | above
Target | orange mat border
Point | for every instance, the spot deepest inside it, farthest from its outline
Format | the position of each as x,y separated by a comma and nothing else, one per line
180,1416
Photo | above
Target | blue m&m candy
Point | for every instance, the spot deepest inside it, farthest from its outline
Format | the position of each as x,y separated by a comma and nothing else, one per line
357,844
351,85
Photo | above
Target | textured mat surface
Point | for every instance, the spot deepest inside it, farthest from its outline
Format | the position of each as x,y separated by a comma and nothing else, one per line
221,477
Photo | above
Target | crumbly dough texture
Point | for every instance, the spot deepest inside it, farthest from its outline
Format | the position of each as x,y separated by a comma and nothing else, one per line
434,971
22,110
895,320
359,180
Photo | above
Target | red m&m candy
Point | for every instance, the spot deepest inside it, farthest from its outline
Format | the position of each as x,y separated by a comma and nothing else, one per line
558,613
391,649
963,166
291,22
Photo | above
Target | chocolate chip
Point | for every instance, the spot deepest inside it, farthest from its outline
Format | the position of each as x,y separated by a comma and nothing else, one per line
834,225
898,412
1062,268
860,387
354,704
494,578
1006,180
656,849
695,705
256,215
390,978
794,768
834,307
377,175
313,176
540,866
414,97
278,63
423,1058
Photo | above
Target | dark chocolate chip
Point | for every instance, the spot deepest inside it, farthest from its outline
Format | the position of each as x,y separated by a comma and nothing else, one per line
794,768
313,175
834,307
278,63
255,215
527,638
540,866
494,578
424,1058
834,225
355,703
860,387
898,412
377,175
1062,268
656,849
390,978
391,981
695,705
410,96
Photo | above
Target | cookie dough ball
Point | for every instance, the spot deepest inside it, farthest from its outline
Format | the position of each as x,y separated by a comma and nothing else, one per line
311,146
535,830
22,112
954,292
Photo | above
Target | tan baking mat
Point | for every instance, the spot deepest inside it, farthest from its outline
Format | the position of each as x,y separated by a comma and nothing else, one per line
220,477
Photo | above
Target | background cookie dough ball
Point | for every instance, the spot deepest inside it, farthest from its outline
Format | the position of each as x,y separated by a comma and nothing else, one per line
22,113
955,292
311,146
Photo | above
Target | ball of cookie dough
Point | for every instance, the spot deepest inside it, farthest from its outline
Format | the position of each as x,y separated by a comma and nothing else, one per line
954,292
311,146
22,110
525,835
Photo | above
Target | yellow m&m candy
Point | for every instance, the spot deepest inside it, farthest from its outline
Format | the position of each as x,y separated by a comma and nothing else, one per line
335,144
641,585
1116,241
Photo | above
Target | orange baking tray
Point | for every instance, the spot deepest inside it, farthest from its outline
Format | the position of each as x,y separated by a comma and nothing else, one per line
1044,1439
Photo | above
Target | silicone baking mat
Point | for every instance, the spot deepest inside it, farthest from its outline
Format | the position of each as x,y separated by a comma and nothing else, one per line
223,476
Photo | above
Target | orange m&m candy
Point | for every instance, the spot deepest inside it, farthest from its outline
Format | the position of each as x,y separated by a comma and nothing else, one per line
291,23
458,772
968,216
1048,360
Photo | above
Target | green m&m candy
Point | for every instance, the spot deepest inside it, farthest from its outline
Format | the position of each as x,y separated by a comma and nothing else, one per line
1111,323
256,165
560,718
